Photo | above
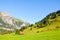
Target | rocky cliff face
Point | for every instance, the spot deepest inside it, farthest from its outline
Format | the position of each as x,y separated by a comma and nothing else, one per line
10,23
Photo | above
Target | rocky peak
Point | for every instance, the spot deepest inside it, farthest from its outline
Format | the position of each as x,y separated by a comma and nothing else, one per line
8,22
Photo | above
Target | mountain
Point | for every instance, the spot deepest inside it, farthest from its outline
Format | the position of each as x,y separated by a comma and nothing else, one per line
9,23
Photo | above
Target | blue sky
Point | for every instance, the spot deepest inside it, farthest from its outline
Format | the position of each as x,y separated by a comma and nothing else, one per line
29,10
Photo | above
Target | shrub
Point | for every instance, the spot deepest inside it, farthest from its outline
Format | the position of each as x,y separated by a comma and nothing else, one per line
37,32
17,31
38,26
23,28
57,26
53,16
34,26
31,28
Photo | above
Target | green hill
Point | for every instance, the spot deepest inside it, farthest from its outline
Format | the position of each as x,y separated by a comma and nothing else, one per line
50,22
52,18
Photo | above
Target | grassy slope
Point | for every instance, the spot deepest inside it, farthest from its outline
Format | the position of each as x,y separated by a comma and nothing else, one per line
49,35
52,26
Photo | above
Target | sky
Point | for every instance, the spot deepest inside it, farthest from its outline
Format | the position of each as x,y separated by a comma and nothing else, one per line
29,10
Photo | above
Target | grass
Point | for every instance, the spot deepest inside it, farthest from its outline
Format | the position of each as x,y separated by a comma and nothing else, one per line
48,35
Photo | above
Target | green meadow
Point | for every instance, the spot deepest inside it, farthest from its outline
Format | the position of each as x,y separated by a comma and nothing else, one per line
48,35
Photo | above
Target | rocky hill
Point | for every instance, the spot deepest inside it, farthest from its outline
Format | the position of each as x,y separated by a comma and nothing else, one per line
9,23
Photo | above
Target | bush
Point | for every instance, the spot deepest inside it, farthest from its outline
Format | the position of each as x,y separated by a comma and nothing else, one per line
17,31
23,28
30,28
53,16
34,26
57,26
38,26
37,32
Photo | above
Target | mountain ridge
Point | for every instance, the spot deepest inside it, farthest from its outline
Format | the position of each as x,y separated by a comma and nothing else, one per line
10,23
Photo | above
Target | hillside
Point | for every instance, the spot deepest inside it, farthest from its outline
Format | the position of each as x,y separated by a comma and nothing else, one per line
9,23
49,23
49,19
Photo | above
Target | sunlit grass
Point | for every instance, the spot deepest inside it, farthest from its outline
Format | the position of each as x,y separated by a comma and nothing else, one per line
49,35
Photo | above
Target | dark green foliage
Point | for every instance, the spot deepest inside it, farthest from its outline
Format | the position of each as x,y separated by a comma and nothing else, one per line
53,16
58,12
22,28
44,22
57,26
17,31
34,26
31,28
39,25
37,32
